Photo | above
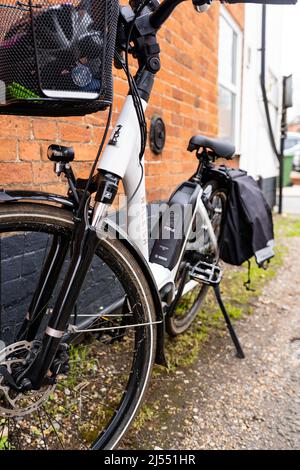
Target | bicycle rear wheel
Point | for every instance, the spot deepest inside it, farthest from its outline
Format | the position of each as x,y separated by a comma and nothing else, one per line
95,401
189,304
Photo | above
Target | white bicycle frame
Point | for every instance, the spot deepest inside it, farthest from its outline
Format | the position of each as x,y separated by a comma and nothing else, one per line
122,159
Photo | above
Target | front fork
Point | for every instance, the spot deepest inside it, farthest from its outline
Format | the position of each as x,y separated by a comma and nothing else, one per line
45,287
85,242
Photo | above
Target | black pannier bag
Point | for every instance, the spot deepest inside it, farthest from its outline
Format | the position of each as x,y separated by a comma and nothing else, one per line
248,226
56,58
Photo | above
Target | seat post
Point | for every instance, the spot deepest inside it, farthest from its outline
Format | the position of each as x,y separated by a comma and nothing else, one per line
203,159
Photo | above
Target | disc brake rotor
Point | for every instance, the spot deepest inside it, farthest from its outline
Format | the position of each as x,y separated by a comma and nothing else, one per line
17,404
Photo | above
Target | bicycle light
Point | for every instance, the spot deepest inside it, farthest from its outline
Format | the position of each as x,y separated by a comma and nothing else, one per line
59,153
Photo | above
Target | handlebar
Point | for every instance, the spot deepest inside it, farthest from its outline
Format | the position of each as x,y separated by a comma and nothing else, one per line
162,13
164,10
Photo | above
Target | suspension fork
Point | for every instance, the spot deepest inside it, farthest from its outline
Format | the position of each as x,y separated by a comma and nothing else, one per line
85,243
46,284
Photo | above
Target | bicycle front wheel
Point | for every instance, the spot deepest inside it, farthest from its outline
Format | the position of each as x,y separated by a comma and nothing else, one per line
99,393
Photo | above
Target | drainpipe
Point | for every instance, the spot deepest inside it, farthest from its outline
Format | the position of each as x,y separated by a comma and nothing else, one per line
266,103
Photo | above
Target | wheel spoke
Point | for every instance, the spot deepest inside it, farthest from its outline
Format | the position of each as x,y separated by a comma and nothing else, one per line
73,413
7,443
53,427
17,434
52,419
42,430
3,428
68,431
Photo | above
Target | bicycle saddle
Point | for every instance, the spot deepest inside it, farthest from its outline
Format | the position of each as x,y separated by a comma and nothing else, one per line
220,148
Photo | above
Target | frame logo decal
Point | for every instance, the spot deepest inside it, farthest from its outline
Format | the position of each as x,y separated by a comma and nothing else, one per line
115,137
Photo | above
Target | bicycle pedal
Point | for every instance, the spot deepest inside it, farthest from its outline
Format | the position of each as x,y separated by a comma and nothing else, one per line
206,273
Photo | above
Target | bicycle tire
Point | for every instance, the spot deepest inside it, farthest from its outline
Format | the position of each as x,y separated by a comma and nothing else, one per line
33,218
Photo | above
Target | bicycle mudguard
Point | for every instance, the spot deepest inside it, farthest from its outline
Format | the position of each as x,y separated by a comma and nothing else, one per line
12,196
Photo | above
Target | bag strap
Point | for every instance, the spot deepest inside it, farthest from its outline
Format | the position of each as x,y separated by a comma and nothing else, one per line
248,282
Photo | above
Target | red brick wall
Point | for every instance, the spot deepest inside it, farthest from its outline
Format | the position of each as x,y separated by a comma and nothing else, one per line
185,95
237,12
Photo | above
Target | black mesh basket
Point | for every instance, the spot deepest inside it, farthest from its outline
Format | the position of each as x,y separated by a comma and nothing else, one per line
56,58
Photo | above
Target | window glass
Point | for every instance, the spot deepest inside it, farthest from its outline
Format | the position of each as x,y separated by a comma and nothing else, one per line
227,52
229,70
226,114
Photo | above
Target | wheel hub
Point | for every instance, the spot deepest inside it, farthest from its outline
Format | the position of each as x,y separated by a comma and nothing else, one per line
14,403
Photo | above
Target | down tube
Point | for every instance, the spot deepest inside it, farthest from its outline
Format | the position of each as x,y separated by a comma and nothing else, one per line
121,157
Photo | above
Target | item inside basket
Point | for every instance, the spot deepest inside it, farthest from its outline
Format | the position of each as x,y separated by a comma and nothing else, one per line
57,52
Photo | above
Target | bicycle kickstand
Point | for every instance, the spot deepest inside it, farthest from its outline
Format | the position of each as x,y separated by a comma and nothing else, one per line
211,275
239,350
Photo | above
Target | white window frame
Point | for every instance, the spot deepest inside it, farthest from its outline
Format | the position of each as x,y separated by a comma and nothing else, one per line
234,88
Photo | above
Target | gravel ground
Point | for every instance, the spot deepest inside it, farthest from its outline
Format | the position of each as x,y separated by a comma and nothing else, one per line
223,402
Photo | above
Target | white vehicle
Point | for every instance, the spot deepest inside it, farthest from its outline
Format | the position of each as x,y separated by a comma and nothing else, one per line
292,139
